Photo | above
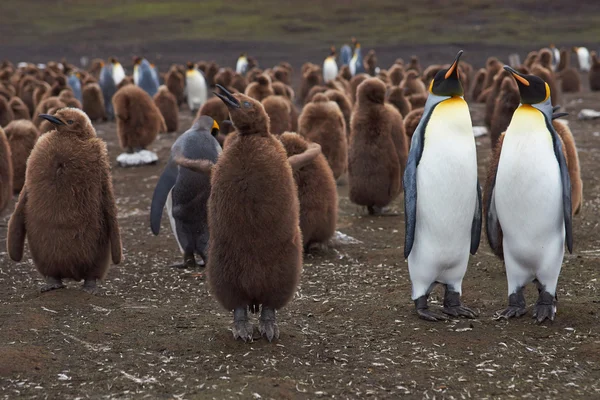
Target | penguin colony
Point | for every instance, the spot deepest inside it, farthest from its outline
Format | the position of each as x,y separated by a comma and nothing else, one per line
255,169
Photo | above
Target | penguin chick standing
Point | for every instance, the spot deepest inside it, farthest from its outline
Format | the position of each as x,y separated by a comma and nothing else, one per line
330,68
185,190
255,250
6,172
529,201
442,197
196,88
167,104
68,172
22,135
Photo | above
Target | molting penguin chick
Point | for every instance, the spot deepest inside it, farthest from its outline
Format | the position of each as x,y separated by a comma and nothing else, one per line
528,201
138,123
377,150
253,204
197,92
185,190
322,122
167,104
443,220
93,102
22,135
316,190
594,76
6,172
68,172
330,68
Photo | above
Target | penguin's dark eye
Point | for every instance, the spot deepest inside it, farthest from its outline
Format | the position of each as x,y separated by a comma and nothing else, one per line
246,104
70,122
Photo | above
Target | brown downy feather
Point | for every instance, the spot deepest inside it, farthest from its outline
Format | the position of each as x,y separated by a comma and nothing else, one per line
19,108
239,83
414,65
487,193
278,109
492,66
411,121
167,105
594,74
22,135
215,109
6,112
395,96
310,78
490,101
175,82
344,104
67,97
260,88
570,152
44,107
479,81
507,102
93,102
412,84
317,192
354,83
418,100
6,172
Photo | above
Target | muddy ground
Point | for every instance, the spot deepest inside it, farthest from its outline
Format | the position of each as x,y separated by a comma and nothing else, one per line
350,331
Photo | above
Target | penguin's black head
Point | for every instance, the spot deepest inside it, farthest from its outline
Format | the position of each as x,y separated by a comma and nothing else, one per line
247,114
533,89
137,60
190,65
332,51
446,82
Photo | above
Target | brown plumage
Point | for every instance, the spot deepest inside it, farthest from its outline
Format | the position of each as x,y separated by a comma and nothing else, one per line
239,83
44,107
395,96
46,126
506,103
490,101
411,121
95,67
68,172
370,62
530,59
310,78
344,104
412,84
281,89
378,148
255,250
492,66
167,104
570,82
544,58
278,110
414,65
283,74
175,82
138,119
594,74
93,101
345,73
354,83
314,90
215,109
487,192
22,135
19,108
6,172
479,81
6,112
547,75
212,68
322,122
418,100
260,88
317,193
564,62
570,152
67,97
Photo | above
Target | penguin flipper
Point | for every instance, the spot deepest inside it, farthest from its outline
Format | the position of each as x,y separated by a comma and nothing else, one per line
201,166
165,183
298,161
15,241
476,225
566,184
493,228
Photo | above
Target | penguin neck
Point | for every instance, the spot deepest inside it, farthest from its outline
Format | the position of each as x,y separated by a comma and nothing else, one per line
527,120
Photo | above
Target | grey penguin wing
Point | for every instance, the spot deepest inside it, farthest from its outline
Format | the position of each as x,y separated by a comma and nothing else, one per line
566,185
409,182
492,225
165,183
476,225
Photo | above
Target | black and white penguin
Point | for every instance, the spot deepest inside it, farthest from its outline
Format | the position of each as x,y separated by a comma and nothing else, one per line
197,92
184,187
356,63
118,72
241,67
443,222
75,84
528,201
146,78
109,88
330,68
583,57
345,54
555,56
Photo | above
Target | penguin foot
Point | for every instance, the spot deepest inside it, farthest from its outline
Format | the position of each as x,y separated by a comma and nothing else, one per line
516,306
381,211
545,307
424,313
90,286
267,324
242,328
52,284
453,306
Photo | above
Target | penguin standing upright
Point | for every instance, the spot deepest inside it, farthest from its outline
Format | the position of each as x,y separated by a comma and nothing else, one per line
118,72
109,88
241,67
442,197
356,63
330,68
185,189
555,57
528,201
75,85
196,87
146,79
345,54
583,56
136,70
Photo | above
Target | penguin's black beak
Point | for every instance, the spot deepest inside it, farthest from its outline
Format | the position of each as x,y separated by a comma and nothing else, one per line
518,76
228,98
52,119
453,70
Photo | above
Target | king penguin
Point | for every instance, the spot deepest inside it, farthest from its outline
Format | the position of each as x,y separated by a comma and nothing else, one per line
75,84
356,63
528,201
555,56
443,223
345,54
117,71
146,79
136,70
330,68
185,190
241,67
583,56
196,88
109,88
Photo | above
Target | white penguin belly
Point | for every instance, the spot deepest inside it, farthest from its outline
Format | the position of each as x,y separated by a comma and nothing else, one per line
171,219
583,56
528,197
330,70
446,198
197,92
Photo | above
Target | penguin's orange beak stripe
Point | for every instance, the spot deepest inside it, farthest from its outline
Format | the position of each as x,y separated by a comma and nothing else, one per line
450,70
521,79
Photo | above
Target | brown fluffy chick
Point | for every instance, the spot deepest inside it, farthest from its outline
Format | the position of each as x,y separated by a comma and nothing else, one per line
19,108
278,110
6,112
67,209
411,121
311,77
570,152
6,172
507,102
22,135
167,104
92,102
594,74
395,96
260,88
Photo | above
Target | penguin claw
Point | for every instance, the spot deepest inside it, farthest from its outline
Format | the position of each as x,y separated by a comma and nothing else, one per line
52,284
430,315
243,330
512,312
267,324
460,311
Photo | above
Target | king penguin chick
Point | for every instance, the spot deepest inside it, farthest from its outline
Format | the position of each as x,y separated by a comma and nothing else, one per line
93,102
594,75
377,150
528,201
260,89
330,68
253,204
6,172
138,123
442,197
19,108
167,104
322,122
196,88
6,112
185,190
109,88
278,110
316,190
68,172
572,157
21,135
147,80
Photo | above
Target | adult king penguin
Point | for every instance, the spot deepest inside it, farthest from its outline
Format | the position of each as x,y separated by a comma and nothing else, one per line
185,190
529,201
146,78
241,67
330,68
356,63
196,88
443,223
